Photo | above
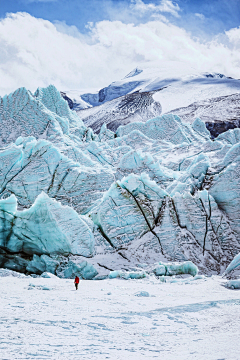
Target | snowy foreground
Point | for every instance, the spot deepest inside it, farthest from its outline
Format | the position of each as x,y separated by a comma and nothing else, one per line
49,319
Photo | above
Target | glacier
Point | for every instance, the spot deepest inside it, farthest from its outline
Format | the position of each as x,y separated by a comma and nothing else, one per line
75,202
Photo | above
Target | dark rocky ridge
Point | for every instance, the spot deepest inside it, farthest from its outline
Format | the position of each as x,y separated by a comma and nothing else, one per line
70,102
218,127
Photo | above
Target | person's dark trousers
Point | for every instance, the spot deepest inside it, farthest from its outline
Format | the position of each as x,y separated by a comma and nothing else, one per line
76,286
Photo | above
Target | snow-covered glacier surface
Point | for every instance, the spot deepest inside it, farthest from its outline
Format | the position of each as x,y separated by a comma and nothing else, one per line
151,193
46,318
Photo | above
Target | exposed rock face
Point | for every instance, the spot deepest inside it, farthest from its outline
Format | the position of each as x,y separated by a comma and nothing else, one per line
70,102
159,190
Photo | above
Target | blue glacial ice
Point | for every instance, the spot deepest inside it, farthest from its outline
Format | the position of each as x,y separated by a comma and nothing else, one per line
160,269
129,208
233,284
155,191
82,269
126,275
165,269
46,227
234,264
31,166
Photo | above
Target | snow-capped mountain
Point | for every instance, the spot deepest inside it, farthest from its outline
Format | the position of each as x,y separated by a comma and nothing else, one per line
145,93
73,201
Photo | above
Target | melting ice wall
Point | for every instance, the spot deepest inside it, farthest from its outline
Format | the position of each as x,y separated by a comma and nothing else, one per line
160,189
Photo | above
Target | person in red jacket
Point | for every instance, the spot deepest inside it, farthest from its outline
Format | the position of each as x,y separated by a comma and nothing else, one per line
76,282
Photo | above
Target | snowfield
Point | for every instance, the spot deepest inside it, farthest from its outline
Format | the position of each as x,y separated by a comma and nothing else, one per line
115,319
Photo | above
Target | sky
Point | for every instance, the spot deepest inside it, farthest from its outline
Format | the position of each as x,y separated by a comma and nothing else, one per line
82,44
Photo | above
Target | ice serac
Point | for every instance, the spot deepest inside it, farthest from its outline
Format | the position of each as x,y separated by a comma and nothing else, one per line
225,188
230,137
79,268
42,115
167,127
69,121
183,227
51,98
46,227
31,166
235,263
129,209
22,114
154,191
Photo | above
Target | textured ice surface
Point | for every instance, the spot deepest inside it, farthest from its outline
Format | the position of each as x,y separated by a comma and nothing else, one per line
83,269
46,227
176,269
127,274
233,284
43,115
7,272
48,275
235,263
30,167
159,191
129,208
161,269
168,128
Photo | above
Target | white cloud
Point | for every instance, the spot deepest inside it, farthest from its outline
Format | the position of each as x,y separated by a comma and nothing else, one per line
70,30
166,6
234,36
200,16
35,52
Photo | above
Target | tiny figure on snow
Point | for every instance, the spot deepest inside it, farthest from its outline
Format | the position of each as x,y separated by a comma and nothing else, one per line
76,282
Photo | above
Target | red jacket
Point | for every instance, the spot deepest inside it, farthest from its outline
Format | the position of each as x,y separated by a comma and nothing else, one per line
76,280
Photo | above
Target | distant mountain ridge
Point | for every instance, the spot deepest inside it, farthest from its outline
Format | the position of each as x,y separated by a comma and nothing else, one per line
146,93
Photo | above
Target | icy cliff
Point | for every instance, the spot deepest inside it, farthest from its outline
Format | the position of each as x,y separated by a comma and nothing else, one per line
158,190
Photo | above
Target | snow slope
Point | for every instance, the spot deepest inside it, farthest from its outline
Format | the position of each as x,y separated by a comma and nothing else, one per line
175,84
